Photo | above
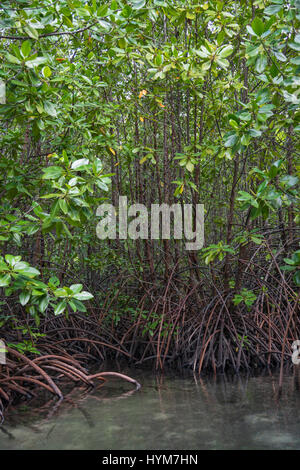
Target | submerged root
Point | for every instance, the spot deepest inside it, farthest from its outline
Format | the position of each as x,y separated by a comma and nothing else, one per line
101,376
22,376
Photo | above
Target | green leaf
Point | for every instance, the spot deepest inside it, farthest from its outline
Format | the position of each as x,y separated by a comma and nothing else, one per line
83,296
275,168
32,32
52,172
245,116
272,10
4,280
190,167
72,305
102,185
289,261
294,45
80,306
43,303
244,196
257,241
289,180
138,4
12,260
280,56
35,62
63,205
231,140
26,48
20,265
61,292
250,30
261,63
287,268
50,108
222,63
79,164
60,307
245,139
296,278
258,26
38,293
46,71
54,281
102,10
234,124
12,59
254,133
24,297
83,12
225,51
295,60
76,288
29,271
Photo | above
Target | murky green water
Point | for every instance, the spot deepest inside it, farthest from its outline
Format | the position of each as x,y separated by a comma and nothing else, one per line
169,412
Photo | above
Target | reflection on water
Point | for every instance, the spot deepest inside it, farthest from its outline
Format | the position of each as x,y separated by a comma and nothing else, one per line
169,412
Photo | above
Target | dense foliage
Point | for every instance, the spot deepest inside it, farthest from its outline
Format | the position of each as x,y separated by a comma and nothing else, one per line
161,101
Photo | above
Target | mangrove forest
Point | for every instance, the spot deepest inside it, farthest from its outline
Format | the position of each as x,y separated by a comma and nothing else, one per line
149,175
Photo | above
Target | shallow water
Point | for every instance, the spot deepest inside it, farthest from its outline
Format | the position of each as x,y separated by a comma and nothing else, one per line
169,412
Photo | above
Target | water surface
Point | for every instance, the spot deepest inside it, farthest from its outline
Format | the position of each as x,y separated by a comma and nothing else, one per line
169,412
